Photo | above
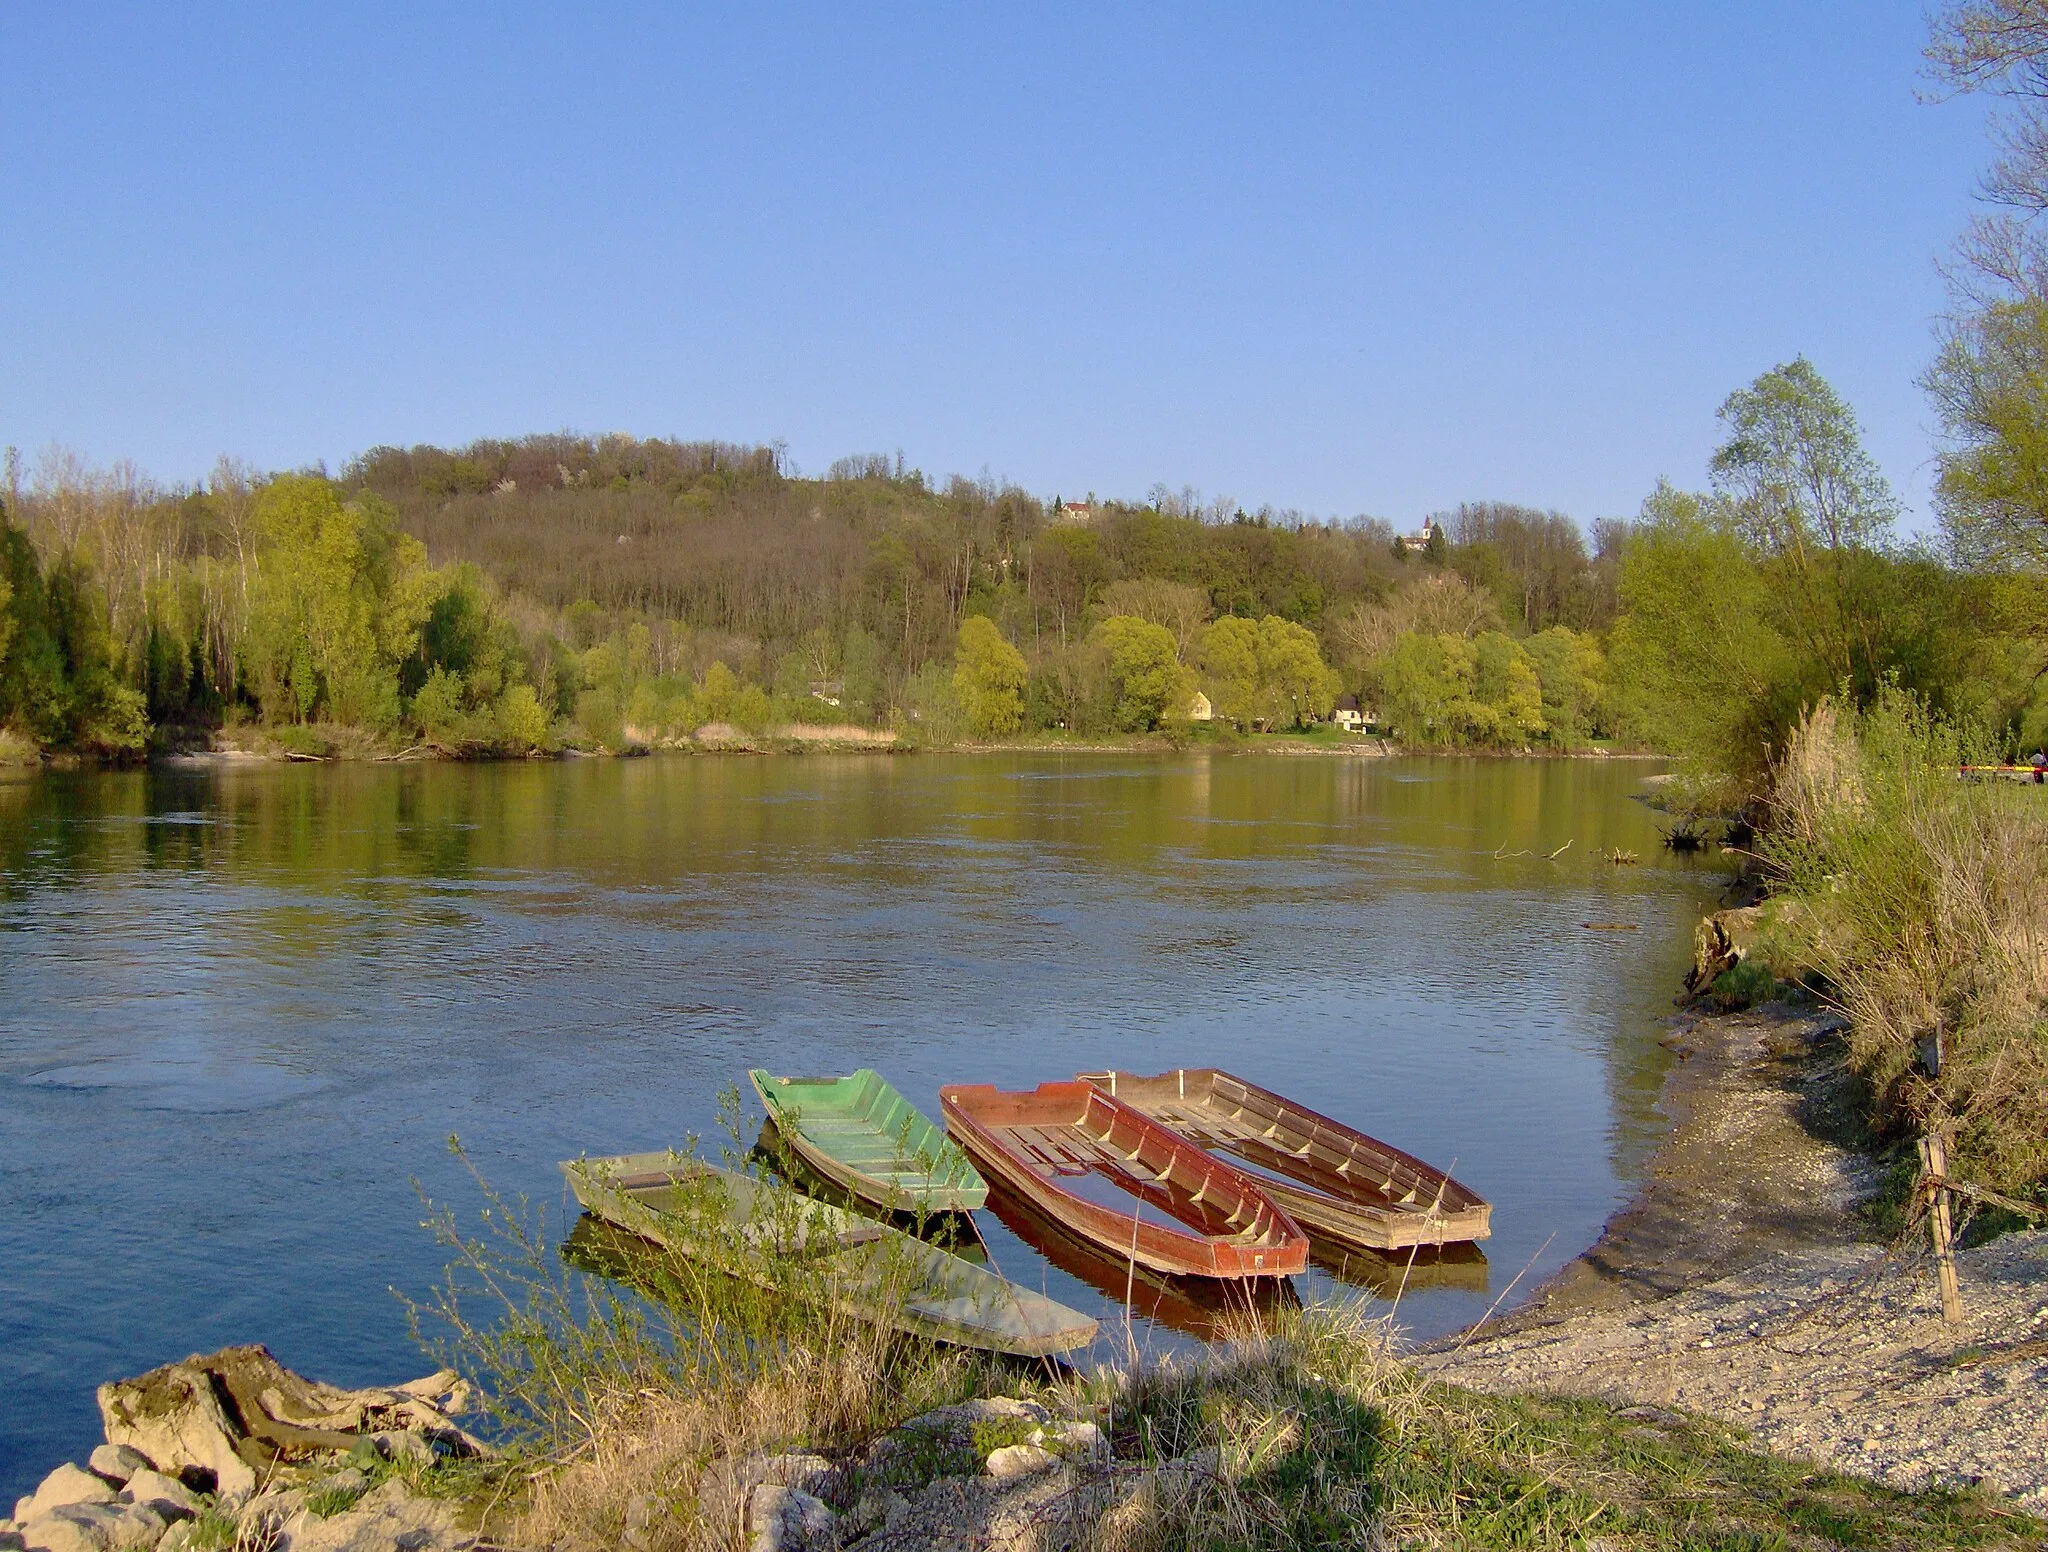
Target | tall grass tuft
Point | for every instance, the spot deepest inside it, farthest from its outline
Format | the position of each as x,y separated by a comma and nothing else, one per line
1922,897
621,1377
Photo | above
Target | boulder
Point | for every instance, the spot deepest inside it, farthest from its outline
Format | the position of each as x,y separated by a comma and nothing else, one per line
68,1484
1083,1443
785,1519
167,1495
1020,1460
390,1519
727,1486
227,1416
94,1527
117,1462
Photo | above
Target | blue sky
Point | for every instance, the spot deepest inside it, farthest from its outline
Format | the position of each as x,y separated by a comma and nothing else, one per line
1351,259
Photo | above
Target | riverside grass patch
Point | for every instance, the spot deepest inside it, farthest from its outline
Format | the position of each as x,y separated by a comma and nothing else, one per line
1314,1434
620,1377
1922,899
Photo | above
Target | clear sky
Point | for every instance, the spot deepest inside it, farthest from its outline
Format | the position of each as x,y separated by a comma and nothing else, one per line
1350,259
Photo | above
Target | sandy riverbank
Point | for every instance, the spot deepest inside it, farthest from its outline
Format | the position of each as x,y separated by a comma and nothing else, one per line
1743,1284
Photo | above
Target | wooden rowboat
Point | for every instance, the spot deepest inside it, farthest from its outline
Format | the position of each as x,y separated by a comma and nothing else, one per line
866,1138
742,1226
1336,1182
1095,1164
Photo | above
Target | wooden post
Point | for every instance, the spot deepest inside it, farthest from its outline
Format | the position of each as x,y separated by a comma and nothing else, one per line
1934,1168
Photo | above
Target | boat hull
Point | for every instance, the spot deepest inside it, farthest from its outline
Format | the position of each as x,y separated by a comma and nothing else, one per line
862,1135
1207,1218
1331,1178
864,1268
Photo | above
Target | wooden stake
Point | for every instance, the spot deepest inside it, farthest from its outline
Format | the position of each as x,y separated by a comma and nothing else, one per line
1934,1170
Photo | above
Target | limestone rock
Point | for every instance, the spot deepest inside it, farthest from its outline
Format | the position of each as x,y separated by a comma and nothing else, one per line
1083,1443
786,1519
117,1462
68,1484
727,1488
962,1417
1020,1460
391,1519
237,1412
167,1495
174,1416
94,1527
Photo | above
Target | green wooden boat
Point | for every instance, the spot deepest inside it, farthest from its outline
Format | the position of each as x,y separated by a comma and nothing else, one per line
775,1237
866,1138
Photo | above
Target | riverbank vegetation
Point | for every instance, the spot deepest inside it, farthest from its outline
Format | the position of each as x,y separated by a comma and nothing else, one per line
1852,684
646,1419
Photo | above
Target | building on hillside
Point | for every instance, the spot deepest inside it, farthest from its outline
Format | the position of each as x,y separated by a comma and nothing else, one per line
1348,715
1199,709
1077,512
1418,543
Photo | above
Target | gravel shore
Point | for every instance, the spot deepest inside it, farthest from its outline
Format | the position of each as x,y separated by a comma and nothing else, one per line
1742,1285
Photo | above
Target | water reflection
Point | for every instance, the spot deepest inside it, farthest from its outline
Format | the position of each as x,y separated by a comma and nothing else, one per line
242,1009
1206,1308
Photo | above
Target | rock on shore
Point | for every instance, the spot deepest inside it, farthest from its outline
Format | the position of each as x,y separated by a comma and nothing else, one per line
232,1446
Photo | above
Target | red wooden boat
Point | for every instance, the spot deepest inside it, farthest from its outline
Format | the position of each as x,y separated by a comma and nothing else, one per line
1095,1164
1333,1180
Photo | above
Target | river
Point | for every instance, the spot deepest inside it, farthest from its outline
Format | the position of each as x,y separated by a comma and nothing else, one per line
242,1010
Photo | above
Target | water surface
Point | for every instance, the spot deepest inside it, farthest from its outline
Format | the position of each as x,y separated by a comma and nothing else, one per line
241,1011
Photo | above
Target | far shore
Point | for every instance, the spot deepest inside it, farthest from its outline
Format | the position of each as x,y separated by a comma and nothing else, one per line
345,746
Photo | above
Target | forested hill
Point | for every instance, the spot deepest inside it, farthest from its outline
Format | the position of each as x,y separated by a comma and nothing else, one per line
559,589
714,538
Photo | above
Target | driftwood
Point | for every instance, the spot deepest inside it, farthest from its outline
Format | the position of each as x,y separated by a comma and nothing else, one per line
231,1416
1719,943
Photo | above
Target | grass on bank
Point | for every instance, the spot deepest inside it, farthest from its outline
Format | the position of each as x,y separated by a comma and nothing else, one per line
1920,900
1318,1436
628,1387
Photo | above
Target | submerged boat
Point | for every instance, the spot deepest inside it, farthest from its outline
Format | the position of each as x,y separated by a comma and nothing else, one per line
866,1138
740,1225
1338,1183
1094,1164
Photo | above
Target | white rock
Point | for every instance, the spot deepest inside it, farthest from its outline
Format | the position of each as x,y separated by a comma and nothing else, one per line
167,1495
173,1416
95,1527
785,1519
117,1462
68,1484
727,1488
390,1519
1083,1442
1020,1460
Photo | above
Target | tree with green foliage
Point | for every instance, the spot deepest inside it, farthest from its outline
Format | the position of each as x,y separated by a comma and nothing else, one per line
1507,694
1147,685
1800,490
1990,387
1295,680
1427,684
1571,672
989,676
1230,658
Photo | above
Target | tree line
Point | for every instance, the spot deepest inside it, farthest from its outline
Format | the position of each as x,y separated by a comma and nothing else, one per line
515,594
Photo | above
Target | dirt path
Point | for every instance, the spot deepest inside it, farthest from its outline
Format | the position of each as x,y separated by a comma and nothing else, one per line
1740,1285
